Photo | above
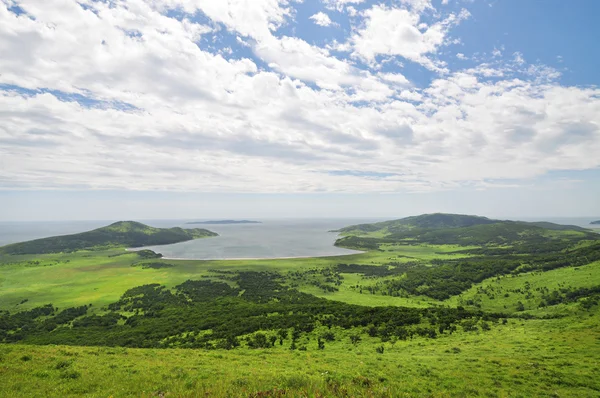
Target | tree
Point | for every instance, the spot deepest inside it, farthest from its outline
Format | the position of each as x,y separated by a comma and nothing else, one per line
282,334
272,340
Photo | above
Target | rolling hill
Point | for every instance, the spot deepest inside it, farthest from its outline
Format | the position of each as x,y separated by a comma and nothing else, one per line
435,220
464,230
122,233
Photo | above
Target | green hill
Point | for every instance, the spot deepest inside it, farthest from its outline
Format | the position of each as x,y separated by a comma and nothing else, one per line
463,230
122,233
435,220
556,227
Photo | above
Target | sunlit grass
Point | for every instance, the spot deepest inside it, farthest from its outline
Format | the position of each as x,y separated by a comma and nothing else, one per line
523,358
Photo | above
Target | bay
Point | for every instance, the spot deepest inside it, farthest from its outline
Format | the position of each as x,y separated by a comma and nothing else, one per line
273,238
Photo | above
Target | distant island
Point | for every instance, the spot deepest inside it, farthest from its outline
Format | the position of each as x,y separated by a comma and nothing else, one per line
595,222
225,222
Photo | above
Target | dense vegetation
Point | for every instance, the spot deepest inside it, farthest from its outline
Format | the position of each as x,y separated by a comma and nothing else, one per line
123,233
428,222
207,314
451,277
217,222
437,220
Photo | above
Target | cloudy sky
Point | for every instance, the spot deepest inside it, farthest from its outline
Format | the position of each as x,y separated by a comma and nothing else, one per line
201,108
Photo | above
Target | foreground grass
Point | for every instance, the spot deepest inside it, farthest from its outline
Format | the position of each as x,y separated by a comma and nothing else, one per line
557,358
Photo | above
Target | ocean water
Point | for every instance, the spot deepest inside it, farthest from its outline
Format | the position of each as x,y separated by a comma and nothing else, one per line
271,239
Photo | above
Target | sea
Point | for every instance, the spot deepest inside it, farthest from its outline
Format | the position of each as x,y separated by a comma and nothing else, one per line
281,238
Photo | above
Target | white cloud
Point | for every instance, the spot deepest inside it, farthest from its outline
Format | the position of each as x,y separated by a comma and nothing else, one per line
397,31
395,78
340,4
461,56
417,6
297,58
321,19
255,19
160,110
518,58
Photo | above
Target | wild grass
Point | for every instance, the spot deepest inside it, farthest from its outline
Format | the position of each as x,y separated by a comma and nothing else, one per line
502,294
524,358
100,277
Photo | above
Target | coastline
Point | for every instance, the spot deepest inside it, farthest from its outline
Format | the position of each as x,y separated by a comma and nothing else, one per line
261,258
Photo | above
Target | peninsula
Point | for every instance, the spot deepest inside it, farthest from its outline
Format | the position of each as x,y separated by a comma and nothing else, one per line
597,222
122,233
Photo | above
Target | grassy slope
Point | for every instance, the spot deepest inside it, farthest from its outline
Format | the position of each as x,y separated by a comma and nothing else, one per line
490,294
523,358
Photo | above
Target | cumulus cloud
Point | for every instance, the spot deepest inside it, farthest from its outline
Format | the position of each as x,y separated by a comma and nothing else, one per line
127,96
400,32
321,19
340,4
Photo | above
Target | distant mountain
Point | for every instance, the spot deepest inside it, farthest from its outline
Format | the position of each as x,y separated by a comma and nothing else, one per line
595,222
435,220
122,233
464,230
216,222
445,221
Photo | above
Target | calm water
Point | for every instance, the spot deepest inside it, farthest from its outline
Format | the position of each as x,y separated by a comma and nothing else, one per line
271,239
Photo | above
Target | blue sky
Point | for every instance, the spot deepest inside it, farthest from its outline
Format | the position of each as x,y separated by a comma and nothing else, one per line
163,108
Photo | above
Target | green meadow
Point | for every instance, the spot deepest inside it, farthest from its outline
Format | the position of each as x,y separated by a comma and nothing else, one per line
434,314
550,358
100,277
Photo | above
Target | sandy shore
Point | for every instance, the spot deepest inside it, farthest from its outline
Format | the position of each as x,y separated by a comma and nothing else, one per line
260,258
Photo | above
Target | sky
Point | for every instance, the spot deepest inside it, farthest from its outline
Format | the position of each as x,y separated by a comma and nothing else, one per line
287,108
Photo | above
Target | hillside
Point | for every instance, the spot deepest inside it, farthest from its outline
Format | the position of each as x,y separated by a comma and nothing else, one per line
435,220
463,230
122,233
225,222
556,227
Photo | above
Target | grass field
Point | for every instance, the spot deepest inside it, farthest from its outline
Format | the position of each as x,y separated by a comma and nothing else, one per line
545,358
502,294
555,354
100,277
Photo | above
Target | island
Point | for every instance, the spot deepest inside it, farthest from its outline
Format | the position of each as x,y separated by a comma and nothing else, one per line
122,233
597,222
222,222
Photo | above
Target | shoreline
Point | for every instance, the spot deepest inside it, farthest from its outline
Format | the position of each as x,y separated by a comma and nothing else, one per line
260,258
